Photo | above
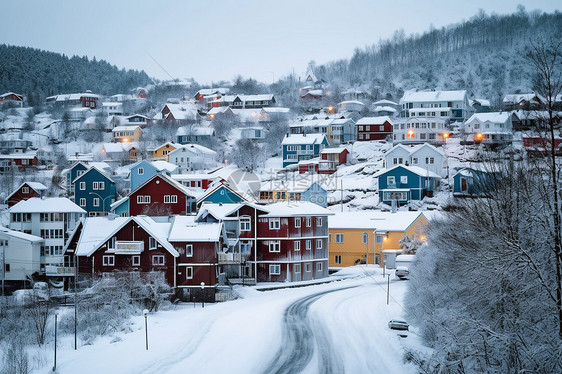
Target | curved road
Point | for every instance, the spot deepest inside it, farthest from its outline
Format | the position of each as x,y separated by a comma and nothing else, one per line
301,337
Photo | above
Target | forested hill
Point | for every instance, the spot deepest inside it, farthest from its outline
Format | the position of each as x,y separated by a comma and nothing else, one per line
38,74
483,55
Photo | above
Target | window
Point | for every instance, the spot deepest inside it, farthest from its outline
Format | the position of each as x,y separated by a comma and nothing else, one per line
390,180
378,239
308,222
25,189
297,246
157,260
136,260
337,259
96,201
319,222
308,267
189,272
308,245
101,185
143,199
152,243
189,250
275,246
82,186
170,199
318,243
141,171
297,222
404,179
339,238
82,201
245,223
274,223
319,266
108,260
297,268
414,160
274,269
7,268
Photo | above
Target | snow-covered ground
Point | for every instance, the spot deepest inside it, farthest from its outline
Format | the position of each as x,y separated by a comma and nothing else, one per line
347,320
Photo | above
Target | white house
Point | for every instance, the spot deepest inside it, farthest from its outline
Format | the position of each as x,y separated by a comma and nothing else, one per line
492,128
190,157
112,108
420,130
424,156
21,254
51,219
449,106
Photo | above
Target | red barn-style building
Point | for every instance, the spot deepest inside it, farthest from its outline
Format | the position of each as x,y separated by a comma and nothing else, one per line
161,196
25,191
374,128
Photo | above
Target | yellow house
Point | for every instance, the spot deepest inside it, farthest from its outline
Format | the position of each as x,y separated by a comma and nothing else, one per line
161,152
126,134
350,232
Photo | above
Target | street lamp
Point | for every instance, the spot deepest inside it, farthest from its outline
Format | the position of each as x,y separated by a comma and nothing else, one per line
202,294
101,198
366,241
145,313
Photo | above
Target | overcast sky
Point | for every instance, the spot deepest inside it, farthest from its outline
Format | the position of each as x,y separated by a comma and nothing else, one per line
214,40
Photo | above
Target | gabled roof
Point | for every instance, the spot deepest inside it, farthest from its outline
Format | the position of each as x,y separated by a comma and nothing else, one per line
98,230
428,96
119,202
212,190
104,174
171,144
119,147
187,229
194,148
411,149
295,209
36,186
383,221
20,235
333,150
304,139
374,120
492,117
50,205
384,102
414,169
168,180
126,128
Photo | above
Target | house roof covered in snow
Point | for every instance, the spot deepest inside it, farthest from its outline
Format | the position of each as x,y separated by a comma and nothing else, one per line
428,96
492,117
303,139
20,235
381,221
414,169
374,120
50,205
187,229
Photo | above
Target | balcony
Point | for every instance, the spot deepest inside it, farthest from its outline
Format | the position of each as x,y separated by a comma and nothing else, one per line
128,248
57,271
230,258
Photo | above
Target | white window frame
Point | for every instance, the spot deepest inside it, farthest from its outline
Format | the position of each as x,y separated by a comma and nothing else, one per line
25,189
318,243
170,199
318,221
245,223
378,239
96,202
158,260
189,250
152,243
308,267
135,260
108,260
275,246
143,199
308,222
309,245
297,268
140,171
82,201
337,259
275,223
318,266
297,246
275,269
390,179
82,186
339,238
189,272
297,222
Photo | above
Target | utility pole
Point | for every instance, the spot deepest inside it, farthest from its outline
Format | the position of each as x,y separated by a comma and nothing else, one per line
388,289
75,303
3,265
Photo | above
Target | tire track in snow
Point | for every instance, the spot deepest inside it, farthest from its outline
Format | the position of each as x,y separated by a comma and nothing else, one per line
298,340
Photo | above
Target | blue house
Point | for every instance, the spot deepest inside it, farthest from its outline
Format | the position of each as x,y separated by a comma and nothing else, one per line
121,207
298,147
472,181
404,183
144,170
221,193
315,194
190,134
76,170
94,192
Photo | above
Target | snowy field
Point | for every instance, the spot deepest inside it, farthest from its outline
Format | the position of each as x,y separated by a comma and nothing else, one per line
337,327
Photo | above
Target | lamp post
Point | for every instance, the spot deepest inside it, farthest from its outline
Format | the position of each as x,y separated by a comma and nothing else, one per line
202,294
388,289
55,363
366,241
145,313
103,199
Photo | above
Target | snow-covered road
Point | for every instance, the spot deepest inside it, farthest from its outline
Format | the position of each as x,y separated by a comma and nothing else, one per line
329,328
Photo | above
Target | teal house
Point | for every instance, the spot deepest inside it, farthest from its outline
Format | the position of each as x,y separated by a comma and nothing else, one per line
121,207
76,170
298,147
471,181
404,183
94,191
222,193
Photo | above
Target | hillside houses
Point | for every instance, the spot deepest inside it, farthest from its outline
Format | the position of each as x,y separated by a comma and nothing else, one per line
450,106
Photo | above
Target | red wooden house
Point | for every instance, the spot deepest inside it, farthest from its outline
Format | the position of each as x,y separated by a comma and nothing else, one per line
13,97
374,128
21,160
328,162
161,196
540,145
25,191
